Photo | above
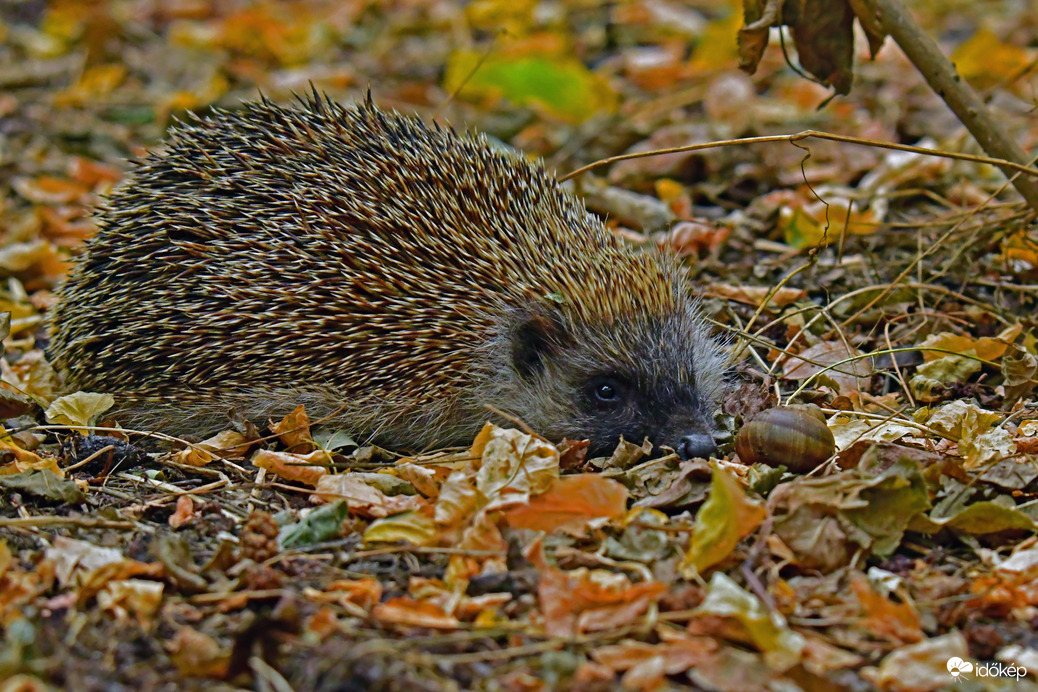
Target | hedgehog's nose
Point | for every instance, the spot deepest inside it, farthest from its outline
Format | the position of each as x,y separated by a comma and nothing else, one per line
696,445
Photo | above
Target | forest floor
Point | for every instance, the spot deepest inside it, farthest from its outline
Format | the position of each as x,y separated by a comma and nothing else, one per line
894,290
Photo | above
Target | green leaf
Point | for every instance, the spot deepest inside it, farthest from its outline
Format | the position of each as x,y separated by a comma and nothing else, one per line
978,518
43,484
324,523
561,86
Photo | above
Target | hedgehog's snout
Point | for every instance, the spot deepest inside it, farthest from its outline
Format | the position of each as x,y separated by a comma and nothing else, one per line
697,445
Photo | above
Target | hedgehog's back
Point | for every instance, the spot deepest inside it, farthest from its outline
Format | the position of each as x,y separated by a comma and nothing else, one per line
346,258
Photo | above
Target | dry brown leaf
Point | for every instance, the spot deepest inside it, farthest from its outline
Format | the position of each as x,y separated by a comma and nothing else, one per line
198,655
574,503
299,468
852,376
136,598
411,613
896,622
753,295
363,498
581,600
294,431
184,512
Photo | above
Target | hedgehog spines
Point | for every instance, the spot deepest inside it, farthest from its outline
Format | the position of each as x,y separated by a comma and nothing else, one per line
357,260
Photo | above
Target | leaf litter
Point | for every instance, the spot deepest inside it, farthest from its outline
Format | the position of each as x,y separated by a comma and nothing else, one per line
893,289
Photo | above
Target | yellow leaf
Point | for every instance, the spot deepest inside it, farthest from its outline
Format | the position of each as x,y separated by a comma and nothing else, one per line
80,409
986,61
724,519
411,527
95,82
718,48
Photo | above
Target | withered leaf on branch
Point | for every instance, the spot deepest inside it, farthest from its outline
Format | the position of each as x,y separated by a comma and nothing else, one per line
822,31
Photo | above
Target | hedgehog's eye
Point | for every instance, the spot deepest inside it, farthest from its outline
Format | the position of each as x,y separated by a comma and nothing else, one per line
606,391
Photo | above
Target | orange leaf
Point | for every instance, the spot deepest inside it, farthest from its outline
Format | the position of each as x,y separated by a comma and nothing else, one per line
294,467
896,621
294,431
571,505
361,592
584,600
196,654
412,613
184,513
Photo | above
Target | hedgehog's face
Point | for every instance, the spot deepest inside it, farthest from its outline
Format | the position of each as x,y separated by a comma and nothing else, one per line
668,411
657,378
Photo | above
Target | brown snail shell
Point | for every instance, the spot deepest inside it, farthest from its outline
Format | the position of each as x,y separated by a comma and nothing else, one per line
792,436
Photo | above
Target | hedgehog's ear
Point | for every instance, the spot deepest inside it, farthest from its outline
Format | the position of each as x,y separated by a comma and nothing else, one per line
533,338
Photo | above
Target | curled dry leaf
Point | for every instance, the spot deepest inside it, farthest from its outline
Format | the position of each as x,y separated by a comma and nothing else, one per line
848,429
919,667
416,528
184,513
70,556
821,360
294,431
23,460
196,654
299,468
364,498
412,613
581,600
227,445
884,618
363,592
136,598
677,655
767,629
513,466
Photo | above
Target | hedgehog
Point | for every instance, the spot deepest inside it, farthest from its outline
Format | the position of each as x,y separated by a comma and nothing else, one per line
403,281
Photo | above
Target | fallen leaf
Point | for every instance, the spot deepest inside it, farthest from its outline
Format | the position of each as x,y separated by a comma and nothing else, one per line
411,613
781,646
410,527
184,512
80,409
920,667
362,495
198,655
851,375
294,431
571,505
558,85
725,518
310,469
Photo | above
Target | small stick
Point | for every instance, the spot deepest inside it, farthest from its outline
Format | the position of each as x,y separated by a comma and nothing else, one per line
940,74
